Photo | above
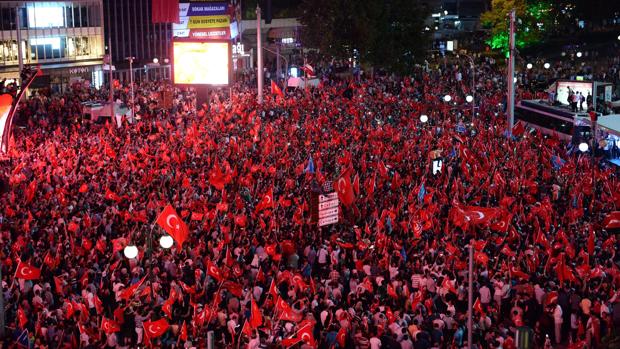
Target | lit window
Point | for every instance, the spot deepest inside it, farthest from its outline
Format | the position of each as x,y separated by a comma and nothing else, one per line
45,17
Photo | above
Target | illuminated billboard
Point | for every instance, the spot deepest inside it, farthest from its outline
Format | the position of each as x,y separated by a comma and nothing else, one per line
201,63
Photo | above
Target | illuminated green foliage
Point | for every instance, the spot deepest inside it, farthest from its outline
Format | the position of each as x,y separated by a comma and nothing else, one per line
533,21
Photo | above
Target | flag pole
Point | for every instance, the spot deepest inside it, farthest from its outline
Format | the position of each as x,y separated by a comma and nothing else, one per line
511,74
259,56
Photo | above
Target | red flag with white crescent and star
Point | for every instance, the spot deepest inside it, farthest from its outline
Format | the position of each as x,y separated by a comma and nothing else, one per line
154,329
345,189
256,318
109,326
214,271
172,223
27,272
183,334
266,201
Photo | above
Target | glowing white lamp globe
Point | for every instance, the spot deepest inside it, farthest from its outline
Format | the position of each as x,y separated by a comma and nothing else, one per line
130,251
447,98
547,65
469,99
529,66
579,54
583,147
166,241
155,60
424,118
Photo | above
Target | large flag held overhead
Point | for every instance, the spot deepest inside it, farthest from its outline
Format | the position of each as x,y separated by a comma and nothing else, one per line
165,11
172,223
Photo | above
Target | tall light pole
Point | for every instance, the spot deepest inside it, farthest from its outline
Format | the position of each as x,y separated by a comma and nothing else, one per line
473,85
1,304
130,59
259,57
511,74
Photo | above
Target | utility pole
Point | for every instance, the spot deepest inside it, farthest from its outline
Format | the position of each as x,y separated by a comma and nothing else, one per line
259,57
1,305
470,297
511,74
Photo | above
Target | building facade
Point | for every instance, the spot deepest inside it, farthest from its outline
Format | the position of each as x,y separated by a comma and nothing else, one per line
65,38
130,31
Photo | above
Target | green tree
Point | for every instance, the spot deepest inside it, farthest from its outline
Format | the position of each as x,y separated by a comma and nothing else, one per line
534,22
387,34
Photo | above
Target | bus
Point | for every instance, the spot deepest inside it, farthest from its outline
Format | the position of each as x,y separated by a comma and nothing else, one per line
567,125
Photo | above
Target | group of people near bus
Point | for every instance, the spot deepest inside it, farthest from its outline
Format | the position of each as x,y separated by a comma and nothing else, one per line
255,268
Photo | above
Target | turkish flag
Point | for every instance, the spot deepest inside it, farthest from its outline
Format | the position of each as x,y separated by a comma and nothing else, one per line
154,329
345,189
214,271
256,318
109,326
22,320
27,272
275,89
203,316
110,195
58,285
612,221
183,334
129,291
478,306
167,308
217,178
172,223
305,332
481,258
266,201
341,337
286,311
83,188
98,304
591,241
165,11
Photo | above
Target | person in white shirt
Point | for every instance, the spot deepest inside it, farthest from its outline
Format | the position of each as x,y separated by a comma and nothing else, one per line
557,321
375,342
485,296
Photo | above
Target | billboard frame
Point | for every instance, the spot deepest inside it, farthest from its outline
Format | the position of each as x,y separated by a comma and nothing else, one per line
200,41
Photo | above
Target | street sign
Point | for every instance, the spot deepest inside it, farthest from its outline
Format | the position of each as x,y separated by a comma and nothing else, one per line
328,209
328,197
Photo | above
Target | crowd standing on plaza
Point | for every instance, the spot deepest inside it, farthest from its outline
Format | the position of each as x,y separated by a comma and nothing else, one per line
257,272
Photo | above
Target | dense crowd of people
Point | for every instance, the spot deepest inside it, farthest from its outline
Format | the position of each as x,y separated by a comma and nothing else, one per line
258,272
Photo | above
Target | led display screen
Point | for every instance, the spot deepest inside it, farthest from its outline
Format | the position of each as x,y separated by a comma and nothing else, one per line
201,63
563,88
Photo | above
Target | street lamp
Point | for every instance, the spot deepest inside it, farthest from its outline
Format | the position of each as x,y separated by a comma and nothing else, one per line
424,118
130,251
579,54
166,61
155,60
469,99
166,241
547,65
447,98
529,66
583,147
